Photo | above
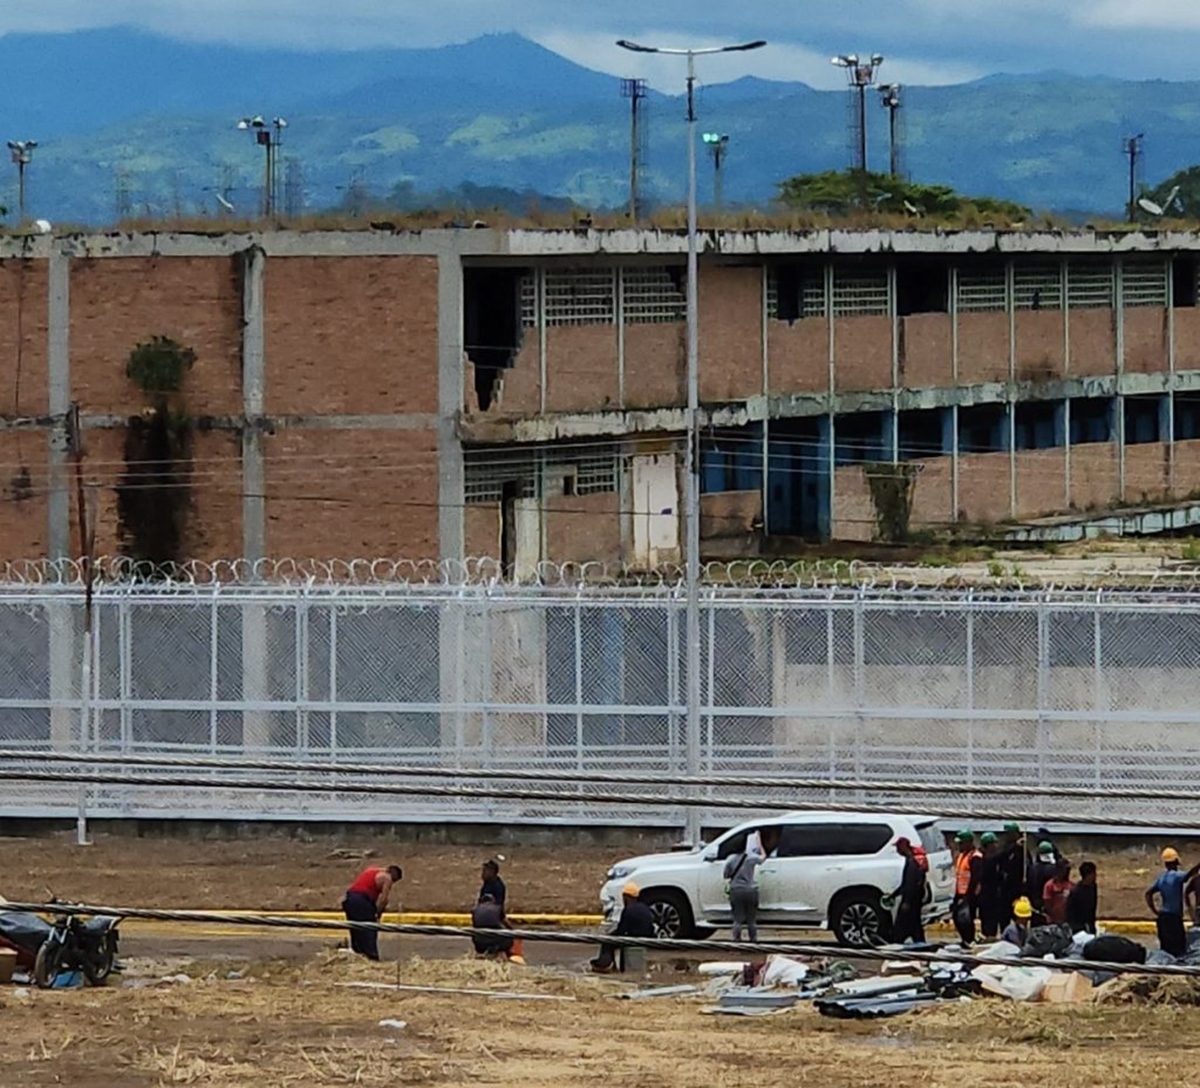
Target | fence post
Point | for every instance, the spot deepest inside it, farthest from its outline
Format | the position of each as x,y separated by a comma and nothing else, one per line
1042,747
214,644
1099,696
859,694
333,681
579,679
971,687
302,685
256,721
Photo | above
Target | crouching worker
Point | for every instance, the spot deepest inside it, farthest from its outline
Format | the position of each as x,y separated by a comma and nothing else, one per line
636,921
366,900
488,914
1017,931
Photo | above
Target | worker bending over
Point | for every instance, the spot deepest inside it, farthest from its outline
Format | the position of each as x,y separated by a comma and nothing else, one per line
636,921
365,901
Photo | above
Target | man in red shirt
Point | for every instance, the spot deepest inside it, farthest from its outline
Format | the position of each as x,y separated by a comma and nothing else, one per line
366,900
1056,892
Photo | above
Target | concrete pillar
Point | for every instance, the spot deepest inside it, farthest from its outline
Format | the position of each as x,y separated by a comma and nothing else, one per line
254,518
60,615
827,451
256,723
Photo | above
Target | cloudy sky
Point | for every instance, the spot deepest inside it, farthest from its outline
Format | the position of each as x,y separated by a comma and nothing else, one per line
926,41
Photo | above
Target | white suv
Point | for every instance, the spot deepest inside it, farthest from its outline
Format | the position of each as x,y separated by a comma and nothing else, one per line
830,870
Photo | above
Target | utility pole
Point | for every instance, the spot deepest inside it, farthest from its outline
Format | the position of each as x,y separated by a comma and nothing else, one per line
1133,150
889,99
718,145
861,74
268,135
635,91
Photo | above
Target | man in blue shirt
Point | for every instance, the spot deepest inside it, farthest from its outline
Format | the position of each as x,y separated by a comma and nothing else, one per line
1172,936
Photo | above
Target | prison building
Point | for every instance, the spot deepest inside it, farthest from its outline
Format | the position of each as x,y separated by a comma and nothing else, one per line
521,394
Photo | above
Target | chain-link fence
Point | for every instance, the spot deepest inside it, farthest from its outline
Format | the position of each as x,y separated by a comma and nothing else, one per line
1027,689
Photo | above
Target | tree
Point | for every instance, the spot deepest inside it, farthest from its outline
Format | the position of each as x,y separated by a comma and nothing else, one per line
846,192
1187,202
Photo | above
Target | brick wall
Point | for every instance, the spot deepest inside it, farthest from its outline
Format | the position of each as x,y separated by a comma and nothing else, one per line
117,303
1095,481
23,321
481,531
729,514
933,493
1146,339
1187,467
352,335
853,511
583,528
1187,338
982,348
1093,342
343,493
798,356
520,386
655,365
1041,482
731,302
1147,472
23,524
926,351
862,348
983,483
1040,345
581,368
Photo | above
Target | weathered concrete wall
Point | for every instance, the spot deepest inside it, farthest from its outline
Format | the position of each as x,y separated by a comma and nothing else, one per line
23,329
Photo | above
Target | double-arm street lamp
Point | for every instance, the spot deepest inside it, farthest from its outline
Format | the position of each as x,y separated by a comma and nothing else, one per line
22,156
692,463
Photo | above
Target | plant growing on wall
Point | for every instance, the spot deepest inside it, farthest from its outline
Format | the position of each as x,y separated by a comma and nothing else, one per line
891,488
154,495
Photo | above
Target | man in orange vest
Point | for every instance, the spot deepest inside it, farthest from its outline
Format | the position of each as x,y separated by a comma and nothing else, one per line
968,874
366,900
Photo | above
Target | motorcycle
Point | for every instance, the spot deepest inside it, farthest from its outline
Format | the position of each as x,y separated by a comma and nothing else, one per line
69,943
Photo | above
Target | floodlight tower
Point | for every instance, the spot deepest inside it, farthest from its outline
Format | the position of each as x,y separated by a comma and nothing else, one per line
268,135
889,99
692,462
22,156
718,146
1132,146
635,91
861,74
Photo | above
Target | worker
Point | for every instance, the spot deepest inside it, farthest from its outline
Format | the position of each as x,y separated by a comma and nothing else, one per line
1011,865
365,901
1040,871
909,896
1191,899
1172,936
636,921
741,883
1081,903
991,886
967,872
492,884
1017,931
488,914
1055,893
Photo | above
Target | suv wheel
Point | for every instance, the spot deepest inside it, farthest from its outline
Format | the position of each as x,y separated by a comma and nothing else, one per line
672,914
858,920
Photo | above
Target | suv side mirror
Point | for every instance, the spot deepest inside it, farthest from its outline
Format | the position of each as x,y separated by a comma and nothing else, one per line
710,854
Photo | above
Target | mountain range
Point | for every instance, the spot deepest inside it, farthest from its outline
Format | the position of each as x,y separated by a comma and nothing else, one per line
143,124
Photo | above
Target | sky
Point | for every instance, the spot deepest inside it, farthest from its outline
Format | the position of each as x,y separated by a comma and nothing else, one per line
924,41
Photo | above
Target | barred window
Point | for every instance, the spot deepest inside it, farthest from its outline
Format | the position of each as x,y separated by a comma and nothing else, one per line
860,294
529,300
487,469
596,467
651,296
982,290
1037,285
1090,285
580,296
1144,283
812,295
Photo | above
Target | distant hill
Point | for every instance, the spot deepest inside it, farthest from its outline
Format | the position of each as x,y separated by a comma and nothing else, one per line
503,112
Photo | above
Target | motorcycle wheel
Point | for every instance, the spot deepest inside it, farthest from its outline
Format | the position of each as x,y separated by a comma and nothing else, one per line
98,964
49,964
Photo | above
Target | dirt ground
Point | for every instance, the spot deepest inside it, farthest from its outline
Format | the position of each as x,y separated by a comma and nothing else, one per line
294,1024
308,874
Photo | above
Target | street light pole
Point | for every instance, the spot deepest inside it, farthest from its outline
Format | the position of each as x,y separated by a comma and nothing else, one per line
1133,148
861,74
691,463
719,145
268,136
22,156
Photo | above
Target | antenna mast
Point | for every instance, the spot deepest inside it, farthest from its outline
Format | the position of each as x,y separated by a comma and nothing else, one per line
635,91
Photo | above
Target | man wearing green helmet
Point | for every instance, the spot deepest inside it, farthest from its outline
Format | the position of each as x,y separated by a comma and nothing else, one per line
990,886
1011,863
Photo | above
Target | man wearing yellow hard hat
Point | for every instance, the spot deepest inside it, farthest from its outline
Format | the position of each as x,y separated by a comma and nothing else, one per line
1017,931
1172,935
636,921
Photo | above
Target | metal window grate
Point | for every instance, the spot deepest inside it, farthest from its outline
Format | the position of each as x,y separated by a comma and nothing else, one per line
981,291
487,469
860,294
529,300
1037,285
1144,283
812,296
580,296
651,296
1090,285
